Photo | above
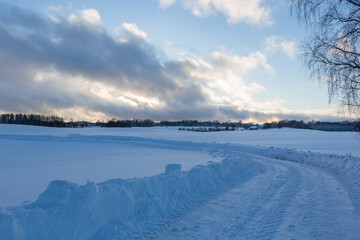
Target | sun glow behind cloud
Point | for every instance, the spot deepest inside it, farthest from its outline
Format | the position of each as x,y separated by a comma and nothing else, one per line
88,73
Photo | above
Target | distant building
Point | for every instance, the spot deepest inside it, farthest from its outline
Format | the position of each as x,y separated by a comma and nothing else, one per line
254,128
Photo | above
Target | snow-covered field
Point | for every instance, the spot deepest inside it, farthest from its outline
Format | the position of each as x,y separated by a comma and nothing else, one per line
341,143
266,184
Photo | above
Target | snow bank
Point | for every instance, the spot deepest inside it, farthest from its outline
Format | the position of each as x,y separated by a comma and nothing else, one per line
70,211
346,166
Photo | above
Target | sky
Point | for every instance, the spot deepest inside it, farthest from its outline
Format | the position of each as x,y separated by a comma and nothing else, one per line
224,60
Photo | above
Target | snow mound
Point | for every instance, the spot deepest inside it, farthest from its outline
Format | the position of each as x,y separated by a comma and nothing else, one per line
70,211
346,166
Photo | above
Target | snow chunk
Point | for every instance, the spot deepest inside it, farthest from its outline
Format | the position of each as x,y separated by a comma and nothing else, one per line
173,169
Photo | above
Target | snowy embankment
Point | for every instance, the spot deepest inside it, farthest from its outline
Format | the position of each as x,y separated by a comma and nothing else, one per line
348,167
69,211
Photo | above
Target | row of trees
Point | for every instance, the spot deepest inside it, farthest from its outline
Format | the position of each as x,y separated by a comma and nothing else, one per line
127,123
191,123
316,125
32,119
183,123
55,121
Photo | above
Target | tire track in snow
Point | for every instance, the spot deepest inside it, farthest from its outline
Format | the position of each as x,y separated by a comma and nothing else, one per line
288,201
323,209
242,217
269,217
176,224
236,202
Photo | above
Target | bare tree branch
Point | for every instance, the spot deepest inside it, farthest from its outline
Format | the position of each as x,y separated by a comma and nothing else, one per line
332,50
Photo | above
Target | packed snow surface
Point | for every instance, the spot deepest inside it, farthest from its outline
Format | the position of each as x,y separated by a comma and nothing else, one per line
273,184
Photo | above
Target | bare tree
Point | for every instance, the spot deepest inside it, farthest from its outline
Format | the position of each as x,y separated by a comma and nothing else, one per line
332,50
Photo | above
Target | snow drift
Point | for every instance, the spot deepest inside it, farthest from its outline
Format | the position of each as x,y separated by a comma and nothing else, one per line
70,211
348,166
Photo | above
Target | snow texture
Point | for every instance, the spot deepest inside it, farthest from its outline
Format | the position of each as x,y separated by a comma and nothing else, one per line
340,143
255,192
173,169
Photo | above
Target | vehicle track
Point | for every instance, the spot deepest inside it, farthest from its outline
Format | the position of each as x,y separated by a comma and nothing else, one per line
288,201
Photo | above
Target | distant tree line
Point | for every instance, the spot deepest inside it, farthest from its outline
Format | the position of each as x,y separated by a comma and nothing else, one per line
346,126
127,123
32,119
166,123
208,129
55,121
315,125
191,123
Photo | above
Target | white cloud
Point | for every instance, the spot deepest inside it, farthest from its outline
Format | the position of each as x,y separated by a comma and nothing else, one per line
79,113
86,17
251,12
129,31
166,3
274,44
223,75
55,8
242,64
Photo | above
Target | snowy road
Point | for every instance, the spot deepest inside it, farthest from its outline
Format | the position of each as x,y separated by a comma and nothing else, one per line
288,201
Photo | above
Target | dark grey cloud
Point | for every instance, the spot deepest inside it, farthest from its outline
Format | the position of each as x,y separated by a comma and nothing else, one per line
27,40
27,45
31,43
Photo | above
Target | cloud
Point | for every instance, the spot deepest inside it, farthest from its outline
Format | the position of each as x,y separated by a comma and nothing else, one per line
241,64
166,3
274,44
251,12
86,17
129,32
55,8
222,76
73,68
